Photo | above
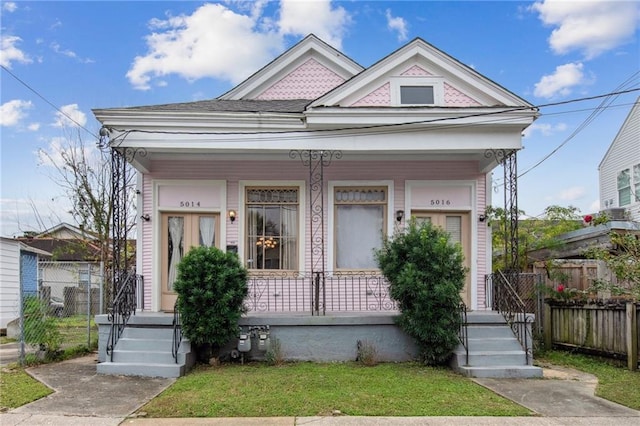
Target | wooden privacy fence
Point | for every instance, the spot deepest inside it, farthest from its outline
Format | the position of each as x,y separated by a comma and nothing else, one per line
608,329
578,273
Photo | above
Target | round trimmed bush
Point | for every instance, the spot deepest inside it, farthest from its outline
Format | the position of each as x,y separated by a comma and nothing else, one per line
211,286
426,273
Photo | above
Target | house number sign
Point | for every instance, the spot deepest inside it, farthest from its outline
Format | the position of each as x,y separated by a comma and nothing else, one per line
189,196
440,197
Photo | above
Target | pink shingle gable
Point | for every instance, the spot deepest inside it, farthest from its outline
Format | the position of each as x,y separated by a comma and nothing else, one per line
309,81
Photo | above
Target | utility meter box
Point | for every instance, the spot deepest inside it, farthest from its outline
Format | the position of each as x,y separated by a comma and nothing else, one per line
264,342
244,343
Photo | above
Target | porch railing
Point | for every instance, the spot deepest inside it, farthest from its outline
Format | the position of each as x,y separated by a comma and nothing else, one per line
177,333
463,336
124,305
319,293
506,301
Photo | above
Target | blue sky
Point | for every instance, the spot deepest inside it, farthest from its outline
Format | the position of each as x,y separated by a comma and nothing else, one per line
74,56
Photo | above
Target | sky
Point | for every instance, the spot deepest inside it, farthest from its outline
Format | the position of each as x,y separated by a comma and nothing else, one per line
60,60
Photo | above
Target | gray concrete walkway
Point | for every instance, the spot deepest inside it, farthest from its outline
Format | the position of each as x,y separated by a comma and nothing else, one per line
82,397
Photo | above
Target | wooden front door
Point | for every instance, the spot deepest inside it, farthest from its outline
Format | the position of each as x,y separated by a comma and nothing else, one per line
181,232
458,227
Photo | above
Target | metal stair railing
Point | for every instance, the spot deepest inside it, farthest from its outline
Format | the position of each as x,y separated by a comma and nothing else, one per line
508,303
124,305
177,332
463,336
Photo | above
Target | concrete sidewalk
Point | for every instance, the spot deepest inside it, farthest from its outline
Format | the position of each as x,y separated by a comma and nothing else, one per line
82,397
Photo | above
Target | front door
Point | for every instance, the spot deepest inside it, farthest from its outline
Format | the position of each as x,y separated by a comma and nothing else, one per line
181,232
458,227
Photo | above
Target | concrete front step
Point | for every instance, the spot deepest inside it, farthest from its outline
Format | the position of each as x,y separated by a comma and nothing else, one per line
489,331
169,370
485,317
495,344
491,358
132,344
147,333
146,357
501,371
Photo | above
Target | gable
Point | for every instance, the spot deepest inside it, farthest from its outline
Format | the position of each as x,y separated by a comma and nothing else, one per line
419,64
627,141
308,70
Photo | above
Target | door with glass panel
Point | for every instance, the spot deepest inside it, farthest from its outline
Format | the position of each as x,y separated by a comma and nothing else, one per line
458,227
181,232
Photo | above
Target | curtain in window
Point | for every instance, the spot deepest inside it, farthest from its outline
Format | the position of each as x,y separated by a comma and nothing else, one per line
624,188
207,231
289,245
358,233
176,238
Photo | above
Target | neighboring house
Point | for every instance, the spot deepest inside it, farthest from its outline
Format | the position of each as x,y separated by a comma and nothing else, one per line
619,170
409,136
75,258
18,272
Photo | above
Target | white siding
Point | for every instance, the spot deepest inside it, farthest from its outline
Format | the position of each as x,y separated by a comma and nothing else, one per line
623,153
9,281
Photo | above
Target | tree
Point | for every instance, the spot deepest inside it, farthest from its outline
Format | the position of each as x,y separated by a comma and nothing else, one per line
426,274
533,233
624,263
84,174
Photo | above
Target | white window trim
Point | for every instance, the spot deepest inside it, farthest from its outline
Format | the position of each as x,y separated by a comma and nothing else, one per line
630,186
389,184
156,256
436,82
302,219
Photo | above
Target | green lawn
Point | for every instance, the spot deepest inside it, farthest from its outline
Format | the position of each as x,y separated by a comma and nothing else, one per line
615,383
311,389
18,388
74,331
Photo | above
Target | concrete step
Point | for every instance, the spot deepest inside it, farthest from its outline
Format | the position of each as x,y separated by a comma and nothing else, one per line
491,358
146,357
501,371
140,369
147,333
495,344
489,331
133,344
485,317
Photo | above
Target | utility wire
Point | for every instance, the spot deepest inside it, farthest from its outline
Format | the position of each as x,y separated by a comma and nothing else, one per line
47,101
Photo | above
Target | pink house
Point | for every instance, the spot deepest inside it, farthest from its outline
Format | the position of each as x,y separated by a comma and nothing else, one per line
308,164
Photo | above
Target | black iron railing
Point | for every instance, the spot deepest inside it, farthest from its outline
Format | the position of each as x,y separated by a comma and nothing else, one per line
463,336
319,292
506,300
177,332
124,305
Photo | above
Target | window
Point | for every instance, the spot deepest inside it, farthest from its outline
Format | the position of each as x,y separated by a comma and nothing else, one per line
624,188
416,95
272,228
636,182
408,90
360,217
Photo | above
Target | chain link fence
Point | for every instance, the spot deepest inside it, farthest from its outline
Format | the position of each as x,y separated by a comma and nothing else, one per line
58,315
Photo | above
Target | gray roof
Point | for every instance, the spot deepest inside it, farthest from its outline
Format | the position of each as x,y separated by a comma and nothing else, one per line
219,105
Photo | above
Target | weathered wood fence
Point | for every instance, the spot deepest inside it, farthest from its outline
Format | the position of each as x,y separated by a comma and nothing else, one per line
608,329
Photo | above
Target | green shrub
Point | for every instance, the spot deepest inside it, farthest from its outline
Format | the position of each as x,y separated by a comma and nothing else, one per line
211,287
426,274
39,327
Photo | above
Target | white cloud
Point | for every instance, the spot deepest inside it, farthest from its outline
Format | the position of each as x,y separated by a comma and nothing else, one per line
545,129
9,6
561,81
302,17
397,24
9,52
589,26
572,194
70,116
192,47
34,127
69,53
13,111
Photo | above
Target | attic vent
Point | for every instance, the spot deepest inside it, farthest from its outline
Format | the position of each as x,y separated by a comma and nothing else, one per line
416,95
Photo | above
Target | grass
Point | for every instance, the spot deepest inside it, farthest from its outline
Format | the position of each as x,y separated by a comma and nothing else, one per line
5,339
74,331
615,383
311,389
18,388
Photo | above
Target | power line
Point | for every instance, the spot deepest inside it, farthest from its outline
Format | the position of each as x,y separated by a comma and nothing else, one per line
48,102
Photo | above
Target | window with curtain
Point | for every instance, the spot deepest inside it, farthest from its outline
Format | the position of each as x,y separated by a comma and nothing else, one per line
272,228
636,182
360,217
624,188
